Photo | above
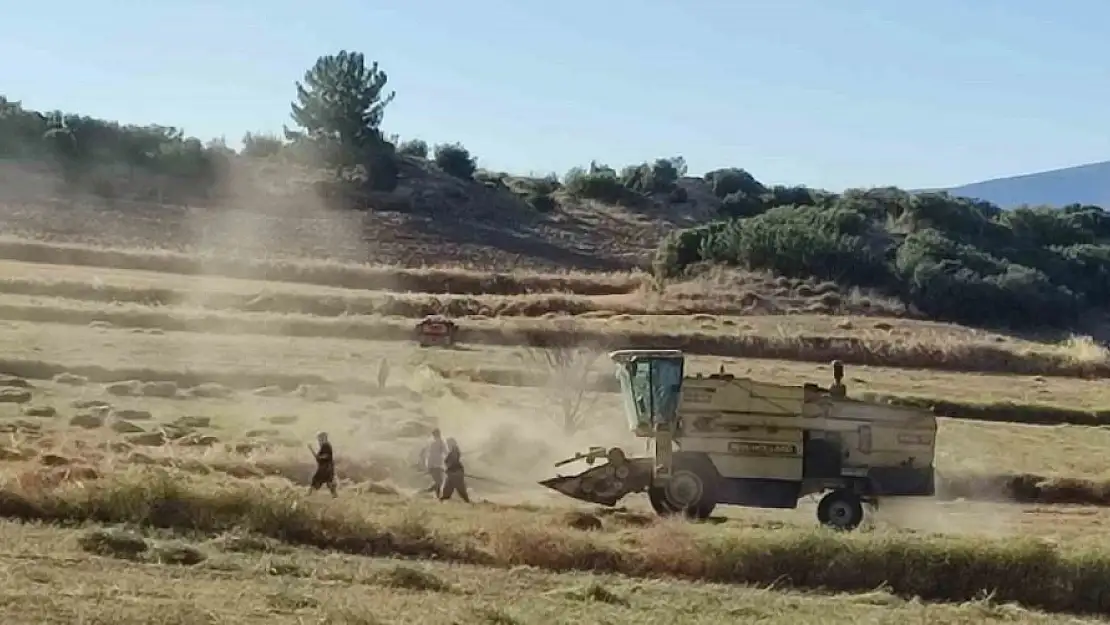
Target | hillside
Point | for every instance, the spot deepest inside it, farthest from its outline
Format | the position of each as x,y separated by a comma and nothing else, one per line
344,190
1083,184
948,258
272,209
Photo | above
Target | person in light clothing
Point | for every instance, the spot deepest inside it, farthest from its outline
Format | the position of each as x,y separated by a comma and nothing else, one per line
434,455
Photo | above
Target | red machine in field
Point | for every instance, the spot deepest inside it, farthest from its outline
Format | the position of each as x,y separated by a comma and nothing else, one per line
436,331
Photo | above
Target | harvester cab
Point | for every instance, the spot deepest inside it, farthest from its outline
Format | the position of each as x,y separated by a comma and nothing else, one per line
719,439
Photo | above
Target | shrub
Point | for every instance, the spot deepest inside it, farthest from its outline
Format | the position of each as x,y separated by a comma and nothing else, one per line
536,186
725,182
543,203
658,177
492,179
952,258
599,183
455,160
415,148
261,145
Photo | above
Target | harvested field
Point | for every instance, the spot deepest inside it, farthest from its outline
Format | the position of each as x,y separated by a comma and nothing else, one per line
977,461
179,403
725,291
431,280
221,293
758,337
244,360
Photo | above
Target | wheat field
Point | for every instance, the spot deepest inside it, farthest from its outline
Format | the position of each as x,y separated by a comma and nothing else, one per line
165,402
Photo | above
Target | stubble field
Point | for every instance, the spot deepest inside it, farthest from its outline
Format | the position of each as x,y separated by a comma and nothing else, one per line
165,402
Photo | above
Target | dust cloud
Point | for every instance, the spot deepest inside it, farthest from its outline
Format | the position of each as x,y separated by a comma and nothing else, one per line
970,509
510,436
270,206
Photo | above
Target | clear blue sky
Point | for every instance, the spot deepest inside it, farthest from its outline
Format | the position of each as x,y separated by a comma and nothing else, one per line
830,93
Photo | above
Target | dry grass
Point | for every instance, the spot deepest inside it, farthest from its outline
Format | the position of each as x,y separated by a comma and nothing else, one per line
777,338
52,580
749,294
245,362
196,496
1026,571
239,297
649,309
253,435
321,273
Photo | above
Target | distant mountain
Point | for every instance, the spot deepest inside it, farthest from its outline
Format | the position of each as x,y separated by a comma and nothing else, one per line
1083,184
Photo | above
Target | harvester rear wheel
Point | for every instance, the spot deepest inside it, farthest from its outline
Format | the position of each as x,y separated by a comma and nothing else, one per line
840,509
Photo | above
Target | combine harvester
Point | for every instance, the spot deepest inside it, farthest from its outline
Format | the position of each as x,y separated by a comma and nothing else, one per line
719,439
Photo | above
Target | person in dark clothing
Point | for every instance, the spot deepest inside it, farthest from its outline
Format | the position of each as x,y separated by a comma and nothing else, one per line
325,466
455,479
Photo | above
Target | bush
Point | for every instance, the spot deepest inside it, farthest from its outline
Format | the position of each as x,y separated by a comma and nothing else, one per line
414,148
658,177
802,242
536,186
632,186
741,204
948,280
456,161
542,203
951,258
725,182
492,180
162,161
261,145
599,183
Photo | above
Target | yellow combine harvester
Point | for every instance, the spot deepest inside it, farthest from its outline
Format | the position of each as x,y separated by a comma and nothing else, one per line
719,439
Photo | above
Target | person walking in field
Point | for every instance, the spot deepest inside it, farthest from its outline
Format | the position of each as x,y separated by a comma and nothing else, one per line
325,466
455,479
383,373
434,455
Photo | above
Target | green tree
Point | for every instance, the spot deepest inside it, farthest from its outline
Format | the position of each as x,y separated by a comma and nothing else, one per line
340,105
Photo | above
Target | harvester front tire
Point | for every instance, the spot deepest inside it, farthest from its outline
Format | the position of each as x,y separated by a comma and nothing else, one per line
690,491
841,510
659,502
